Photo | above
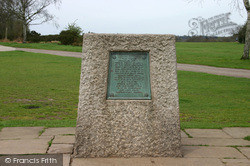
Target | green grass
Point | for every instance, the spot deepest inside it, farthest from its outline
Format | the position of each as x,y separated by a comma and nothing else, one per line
42,90
45,46
46,123
189,136
247,138
41,132
37,88
210,101
218,54
50,142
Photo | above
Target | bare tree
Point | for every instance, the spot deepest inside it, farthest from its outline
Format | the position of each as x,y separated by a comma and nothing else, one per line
6,14
32,12
247,39
236,4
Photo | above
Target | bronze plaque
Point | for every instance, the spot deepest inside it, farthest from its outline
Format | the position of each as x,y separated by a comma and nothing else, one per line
129,76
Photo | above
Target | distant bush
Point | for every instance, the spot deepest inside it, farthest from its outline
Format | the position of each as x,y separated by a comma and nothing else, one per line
68,37
50,38
33,37
78,41
71,36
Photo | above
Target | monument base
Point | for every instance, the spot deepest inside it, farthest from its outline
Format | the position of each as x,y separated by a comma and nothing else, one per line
113,127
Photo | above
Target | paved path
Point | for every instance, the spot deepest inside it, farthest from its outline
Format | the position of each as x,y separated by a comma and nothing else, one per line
185,67
215,70
4,48
53,52
203,147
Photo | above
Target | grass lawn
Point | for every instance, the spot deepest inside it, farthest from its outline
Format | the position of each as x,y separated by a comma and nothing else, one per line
36,88
210,101
42,90
219,54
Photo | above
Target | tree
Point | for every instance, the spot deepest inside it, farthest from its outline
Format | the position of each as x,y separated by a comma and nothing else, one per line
29,11
247,38
236,5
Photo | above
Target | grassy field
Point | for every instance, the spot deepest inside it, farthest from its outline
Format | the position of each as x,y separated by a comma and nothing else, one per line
42,90
38,87
219,54
210,101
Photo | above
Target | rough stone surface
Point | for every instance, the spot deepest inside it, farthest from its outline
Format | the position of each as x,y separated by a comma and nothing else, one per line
60,149
213,152
236,162
237,132
207,133
59,131
146,162
126,128
67,139
245,151
20,132
214,141
26,146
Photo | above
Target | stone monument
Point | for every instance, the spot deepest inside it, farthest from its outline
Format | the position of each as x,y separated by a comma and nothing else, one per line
128,101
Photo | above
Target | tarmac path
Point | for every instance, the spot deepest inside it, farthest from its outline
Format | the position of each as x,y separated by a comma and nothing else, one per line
215,70
244,73
53,52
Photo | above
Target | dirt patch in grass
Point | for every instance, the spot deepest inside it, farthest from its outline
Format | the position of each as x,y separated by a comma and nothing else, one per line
31,106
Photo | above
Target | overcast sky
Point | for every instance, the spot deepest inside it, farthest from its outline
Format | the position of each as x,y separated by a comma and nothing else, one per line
135,16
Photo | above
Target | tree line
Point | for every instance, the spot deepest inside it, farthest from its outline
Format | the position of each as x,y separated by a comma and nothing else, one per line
17,15
72,35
